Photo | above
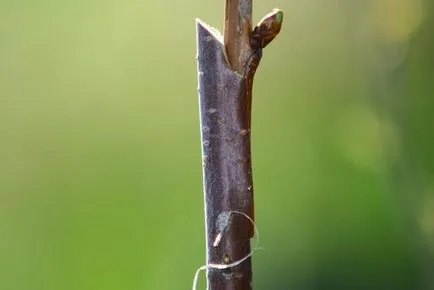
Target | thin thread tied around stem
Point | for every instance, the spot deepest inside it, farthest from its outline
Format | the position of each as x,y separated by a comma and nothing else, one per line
235,263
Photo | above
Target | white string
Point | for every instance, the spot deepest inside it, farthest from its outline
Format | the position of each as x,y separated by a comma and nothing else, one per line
235,263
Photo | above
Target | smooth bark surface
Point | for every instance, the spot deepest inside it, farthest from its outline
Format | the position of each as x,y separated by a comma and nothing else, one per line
225,135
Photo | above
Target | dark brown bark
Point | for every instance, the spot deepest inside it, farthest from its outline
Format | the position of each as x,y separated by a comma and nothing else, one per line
227,171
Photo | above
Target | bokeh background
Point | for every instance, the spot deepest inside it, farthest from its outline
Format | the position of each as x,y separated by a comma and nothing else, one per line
100,167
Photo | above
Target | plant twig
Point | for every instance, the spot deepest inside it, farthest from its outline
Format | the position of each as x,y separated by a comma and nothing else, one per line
225,111
237,29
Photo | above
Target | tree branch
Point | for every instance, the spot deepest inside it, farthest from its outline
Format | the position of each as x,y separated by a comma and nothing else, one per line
225,96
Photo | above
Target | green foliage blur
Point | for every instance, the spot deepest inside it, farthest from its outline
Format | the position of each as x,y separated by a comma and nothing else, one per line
100,167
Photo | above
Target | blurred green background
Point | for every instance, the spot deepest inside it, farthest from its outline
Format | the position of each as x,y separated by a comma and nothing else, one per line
100,167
